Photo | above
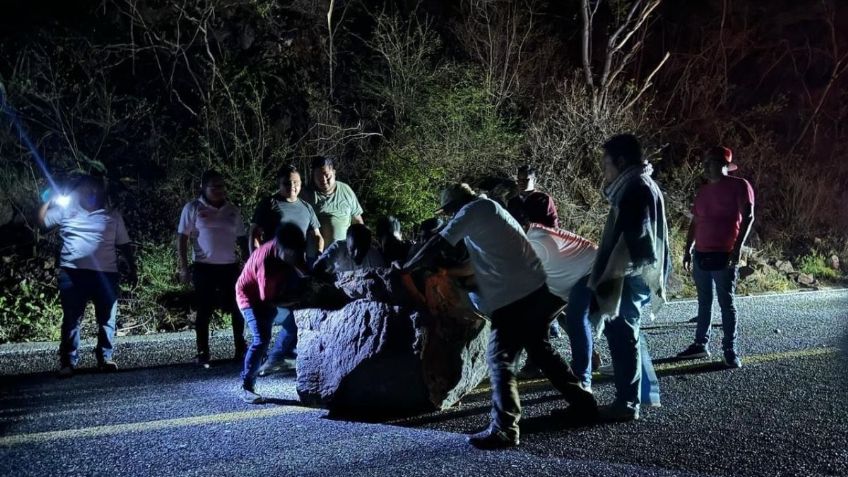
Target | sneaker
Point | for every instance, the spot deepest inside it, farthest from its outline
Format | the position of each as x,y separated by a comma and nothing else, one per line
606,370
202,360
618,413
269,367
556,331
108,366
66,372
491,439
731,359
249,396
694,351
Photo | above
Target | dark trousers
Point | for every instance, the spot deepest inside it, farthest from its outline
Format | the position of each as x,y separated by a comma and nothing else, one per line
214,286
525,324
76,288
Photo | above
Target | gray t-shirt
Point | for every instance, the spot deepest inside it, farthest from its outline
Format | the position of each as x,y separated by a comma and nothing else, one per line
275,210
335,211
89,239
505,266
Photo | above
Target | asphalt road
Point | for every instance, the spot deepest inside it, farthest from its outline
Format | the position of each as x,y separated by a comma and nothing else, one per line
783,413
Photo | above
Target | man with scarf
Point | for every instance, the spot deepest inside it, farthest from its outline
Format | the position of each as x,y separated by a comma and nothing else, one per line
631,267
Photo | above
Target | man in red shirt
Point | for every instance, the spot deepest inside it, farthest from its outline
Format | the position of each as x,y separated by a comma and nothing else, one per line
271,280
722,218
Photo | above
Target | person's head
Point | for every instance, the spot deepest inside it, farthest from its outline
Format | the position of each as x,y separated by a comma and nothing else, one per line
429,228
290,243
90,192
358,242
213,187
323,174
621,152
388,227
289,183
526,178
454,197
537,209
718,162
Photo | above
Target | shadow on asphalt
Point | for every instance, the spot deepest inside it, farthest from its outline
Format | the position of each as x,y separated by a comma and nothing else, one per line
464,412
281,402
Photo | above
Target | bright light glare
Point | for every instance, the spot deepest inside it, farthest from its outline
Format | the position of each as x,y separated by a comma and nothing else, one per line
63,200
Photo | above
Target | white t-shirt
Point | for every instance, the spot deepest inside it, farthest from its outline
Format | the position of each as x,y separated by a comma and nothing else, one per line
89,239
339,260
565,256
505,266
212,231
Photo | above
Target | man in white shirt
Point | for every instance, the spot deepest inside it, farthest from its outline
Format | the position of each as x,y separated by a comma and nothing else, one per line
515,297
214,226
92,234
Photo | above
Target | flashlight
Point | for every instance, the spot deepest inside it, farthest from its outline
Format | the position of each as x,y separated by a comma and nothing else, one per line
57,197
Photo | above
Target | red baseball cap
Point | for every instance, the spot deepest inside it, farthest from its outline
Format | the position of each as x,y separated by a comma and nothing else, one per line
724,153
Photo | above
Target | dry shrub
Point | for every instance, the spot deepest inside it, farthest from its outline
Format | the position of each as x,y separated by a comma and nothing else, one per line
563,143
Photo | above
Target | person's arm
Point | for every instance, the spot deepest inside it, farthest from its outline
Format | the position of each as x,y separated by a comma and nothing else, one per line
254,237
744,231
184,228
126,251
425,253
124,246
461,271
319,240
356,209
50,215
242,243
323,266
690,242
635,218
42,214
182,257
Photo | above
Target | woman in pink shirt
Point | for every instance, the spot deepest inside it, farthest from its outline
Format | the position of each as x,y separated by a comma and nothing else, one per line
273,274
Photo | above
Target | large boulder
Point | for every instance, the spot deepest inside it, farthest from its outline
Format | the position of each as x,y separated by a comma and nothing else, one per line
375,358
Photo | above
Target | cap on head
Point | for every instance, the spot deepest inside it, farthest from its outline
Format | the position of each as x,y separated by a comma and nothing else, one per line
722,153
455,193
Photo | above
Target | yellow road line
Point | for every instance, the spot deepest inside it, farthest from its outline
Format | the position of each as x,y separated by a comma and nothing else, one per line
147,426
671,368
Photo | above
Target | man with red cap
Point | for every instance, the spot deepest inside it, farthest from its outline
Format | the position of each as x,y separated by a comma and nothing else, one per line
721,221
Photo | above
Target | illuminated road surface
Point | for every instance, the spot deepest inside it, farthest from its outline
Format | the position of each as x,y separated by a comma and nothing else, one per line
783,413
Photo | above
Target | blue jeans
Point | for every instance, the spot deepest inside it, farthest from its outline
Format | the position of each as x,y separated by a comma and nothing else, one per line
634,372
725,288
579,330
580,336
260,321
286,342
76,288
